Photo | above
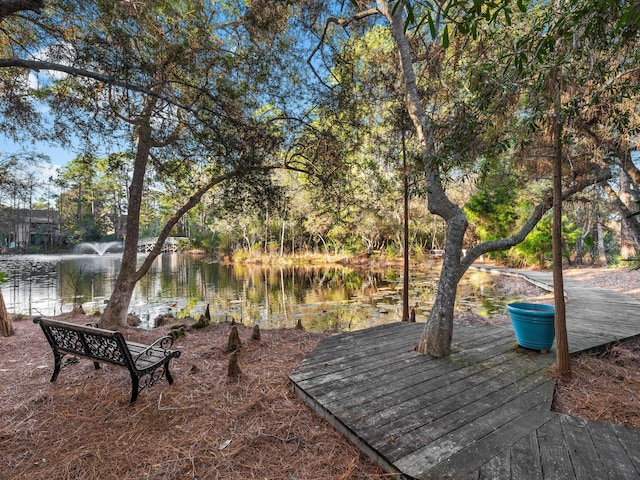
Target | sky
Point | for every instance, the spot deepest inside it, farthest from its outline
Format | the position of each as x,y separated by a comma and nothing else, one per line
43,171
57,155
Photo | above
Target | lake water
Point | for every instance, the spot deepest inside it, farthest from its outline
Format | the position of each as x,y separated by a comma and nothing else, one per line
327,297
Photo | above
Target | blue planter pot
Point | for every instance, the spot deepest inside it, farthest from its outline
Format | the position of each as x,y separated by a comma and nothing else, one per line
533,325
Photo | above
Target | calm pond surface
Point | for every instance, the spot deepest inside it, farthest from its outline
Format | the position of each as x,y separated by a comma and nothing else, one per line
327,297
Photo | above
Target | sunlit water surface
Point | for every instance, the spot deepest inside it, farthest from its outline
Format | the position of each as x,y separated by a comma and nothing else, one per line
323,297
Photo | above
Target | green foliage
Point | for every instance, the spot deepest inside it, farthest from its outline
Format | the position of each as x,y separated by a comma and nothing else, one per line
492,209
205,240
83,204
392,251
418,253
536,249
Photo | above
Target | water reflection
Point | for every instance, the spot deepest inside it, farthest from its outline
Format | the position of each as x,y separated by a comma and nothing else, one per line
329,297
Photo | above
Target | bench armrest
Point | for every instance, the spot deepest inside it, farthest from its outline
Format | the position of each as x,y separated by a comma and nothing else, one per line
163,343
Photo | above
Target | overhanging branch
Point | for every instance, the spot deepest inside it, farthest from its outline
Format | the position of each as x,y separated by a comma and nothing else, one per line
153,91
545,205
11,7
191,202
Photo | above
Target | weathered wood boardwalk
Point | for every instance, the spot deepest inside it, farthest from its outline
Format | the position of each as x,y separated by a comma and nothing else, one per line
482,413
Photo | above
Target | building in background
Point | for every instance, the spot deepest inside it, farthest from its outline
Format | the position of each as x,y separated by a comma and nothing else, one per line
24,229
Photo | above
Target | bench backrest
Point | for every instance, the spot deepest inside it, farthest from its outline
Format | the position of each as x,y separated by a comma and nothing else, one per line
105,345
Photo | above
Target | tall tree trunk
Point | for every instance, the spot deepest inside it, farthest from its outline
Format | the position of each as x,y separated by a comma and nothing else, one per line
579,250
115,314
627,245
405,256
585,229
562,345
6,326
602,255
282,237
436,338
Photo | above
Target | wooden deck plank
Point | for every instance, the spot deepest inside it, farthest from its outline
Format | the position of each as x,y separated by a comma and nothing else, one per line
523,456
510,424
497,467
482,412
378,350
608,331
386,343
326,357
612,453
343,375
525,459
554,453
429,406
584,456
378,390
425,458
630,439
581,342
394,357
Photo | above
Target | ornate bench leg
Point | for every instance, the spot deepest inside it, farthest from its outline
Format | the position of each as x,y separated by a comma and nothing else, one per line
135,384
57,365
167,373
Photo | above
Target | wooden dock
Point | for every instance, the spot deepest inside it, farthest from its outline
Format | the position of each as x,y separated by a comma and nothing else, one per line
484,412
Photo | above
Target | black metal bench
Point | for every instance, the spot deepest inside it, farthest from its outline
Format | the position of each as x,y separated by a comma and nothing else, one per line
148,362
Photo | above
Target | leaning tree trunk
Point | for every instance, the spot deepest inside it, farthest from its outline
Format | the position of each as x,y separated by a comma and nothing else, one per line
438,332
6,327
436,339
115,314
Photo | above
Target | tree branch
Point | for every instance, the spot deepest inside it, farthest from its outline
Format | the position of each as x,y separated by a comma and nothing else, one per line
632,219
175,218
343,22
11,7
38,65
602,175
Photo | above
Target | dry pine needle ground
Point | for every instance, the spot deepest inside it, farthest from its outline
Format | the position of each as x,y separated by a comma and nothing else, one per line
205,426
604,387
